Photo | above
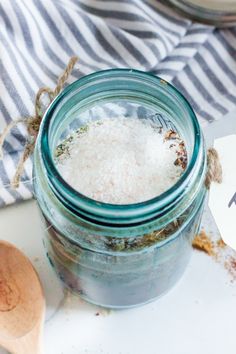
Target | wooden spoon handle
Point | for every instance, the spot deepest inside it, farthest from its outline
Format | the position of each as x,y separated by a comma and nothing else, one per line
31,343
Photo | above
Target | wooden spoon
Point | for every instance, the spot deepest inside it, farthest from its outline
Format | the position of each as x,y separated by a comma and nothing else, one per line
22,304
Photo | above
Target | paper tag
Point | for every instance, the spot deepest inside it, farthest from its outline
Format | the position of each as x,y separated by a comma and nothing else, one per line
222,199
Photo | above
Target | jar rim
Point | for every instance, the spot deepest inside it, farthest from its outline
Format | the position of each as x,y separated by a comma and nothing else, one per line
77,199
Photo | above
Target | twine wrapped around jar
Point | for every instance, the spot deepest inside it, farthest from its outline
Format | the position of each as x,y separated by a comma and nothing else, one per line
33,123
214,168
214,171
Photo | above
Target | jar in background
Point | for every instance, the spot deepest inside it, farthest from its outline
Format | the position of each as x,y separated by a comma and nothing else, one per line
214,12
119,255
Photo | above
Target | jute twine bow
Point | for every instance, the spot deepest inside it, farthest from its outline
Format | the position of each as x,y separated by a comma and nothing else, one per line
33,122
214,170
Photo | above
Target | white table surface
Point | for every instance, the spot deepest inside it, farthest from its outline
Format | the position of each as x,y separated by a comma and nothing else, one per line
196,317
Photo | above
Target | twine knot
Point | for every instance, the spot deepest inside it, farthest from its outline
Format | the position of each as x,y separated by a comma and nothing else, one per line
214,168
33,123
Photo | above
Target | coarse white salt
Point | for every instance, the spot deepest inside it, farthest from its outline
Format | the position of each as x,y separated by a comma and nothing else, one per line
120,161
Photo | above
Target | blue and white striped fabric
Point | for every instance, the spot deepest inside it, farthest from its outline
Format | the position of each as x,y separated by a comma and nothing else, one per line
37,37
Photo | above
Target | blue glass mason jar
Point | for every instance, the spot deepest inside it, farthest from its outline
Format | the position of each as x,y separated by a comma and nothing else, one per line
119,255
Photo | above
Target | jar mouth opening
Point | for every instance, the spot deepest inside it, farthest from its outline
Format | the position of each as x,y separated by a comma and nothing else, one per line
61,187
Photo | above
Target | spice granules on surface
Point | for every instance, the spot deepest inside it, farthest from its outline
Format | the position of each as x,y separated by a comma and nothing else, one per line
203,243
218,251
230,266
220,243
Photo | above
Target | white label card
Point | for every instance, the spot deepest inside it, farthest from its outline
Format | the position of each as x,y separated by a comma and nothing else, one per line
222,199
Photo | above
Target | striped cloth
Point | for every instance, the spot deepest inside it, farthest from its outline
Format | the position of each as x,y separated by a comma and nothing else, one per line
37,38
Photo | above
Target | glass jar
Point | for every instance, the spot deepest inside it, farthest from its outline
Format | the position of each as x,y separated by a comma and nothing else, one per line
119,255
214,12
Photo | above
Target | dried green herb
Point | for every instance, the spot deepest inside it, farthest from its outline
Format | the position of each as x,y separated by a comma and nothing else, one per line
138,243
63,149
82,130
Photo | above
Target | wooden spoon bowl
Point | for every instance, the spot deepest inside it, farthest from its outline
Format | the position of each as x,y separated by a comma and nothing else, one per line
22,303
